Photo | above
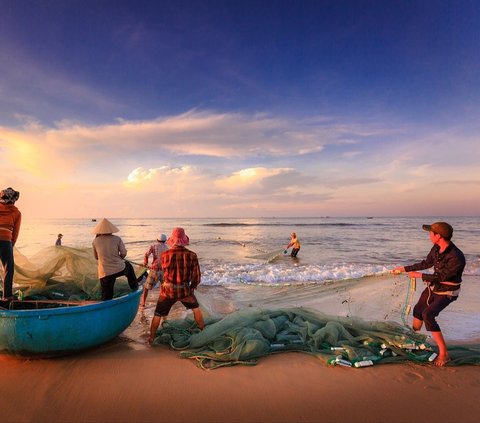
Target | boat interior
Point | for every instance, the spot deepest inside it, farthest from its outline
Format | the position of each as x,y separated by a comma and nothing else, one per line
40,304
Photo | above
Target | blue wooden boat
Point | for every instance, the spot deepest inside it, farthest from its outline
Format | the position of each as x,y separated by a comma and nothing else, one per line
50,327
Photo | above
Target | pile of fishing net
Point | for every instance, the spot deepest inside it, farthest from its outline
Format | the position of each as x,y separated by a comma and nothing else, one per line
61,273
245,336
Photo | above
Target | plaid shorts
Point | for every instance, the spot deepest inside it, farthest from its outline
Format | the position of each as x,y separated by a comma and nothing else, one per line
153,278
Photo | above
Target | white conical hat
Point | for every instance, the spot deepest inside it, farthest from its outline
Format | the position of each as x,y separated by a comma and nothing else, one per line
104,227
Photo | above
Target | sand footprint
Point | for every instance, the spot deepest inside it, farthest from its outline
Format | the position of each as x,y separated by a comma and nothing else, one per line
412,376
432,387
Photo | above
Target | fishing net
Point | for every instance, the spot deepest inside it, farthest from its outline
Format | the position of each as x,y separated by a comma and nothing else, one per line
246,335
62,273
268,256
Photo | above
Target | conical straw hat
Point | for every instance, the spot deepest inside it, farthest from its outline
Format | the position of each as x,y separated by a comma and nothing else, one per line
104,227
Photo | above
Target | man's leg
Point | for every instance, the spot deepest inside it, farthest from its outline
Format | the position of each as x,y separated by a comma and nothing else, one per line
436,304
107,284
164,305
417,324
130,274
443,356
6,254
154,327
197,314
191,303
150,283
144,297
419,309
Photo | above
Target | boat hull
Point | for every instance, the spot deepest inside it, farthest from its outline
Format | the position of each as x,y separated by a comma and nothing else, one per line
63,330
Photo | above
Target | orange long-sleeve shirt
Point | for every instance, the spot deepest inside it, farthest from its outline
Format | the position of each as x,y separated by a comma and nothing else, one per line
10,220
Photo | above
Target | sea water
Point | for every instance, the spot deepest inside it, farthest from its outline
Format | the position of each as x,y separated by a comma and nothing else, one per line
242,261
332,249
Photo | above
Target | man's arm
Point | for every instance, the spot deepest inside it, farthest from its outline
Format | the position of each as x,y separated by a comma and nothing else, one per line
121,249
196,274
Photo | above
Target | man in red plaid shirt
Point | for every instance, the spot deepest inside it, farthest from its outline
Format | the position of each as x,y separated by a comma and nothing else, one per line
181,276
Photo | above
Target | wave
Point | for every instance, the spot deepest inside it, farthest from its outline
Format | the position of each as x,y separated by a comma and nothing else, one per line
226,224
274,274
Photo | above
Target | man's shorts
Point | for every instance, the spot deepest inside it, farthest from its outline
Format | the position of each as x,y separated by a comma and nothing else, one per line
164,304
153,278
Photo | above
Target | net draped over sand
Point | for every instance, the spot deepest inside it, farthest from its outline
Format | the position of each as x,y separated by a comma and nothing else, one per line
245,336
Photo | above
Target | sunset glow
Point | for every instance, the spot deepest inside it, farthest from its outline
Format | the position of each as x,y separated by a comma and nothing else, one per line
314,115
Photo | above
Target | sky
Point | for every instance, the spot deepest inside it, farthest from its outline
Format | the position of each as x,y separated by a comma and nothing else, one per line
240,108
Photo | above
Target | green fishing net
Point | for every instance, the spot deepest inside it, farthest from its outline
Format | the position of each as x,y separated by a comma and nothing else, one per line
244,336
61,273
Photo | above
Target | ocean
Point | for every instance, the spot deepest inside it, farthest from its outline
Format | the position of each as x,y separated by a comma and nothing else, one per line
342,268
243,251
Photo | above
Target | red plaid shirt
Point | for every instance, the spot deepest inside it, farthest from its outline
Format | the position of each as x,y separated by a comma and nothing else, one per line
181,272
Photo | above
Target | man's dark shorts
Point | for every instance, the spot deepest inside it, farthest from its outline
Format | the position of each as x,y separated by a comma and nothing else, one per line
164,304
429,306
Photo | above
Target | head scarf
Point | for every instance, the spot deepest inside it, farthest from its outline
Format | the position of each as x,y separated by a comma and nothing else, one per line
9,196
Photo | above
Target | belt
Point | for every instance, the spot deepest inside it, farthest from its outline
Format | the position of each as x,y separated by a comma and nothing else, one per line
452,292
176,285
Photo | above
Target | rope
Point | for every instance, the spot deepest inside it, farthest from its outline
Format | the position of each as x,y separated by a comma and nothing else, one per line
408,300
137,264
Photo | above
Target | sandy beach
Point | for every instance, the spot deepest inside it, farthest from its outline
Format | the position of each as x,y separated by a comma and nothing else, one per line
127,381
116,383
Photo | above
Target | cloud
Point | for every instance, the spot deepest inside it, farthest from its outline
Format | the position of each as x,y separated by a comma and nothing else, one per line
220,164
71,144
260,180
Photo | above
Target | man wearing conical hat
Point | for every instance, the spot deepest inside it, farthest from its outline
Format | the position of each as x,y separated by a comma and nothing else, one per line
181,276
10,220
110,252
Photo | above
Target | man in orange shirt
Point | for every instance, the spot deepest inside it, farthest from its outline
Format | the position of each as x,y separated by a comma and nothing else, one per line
10,219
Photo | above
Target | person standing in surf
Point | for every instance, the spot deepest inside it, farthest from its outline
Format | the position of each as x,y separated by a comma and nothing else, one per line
295,243
443,286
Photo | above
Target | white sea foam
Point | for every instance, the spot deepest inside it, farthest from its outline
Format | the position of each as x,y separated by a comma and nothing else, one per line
231,274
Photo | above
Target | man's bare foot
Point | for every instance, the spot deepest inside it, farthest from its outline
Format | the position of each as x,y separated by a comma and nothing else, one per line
441,360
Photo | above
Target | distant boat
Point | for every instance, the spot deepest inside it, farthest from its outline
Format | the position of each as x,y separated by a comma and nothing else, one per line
94,220
369,217
51,327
